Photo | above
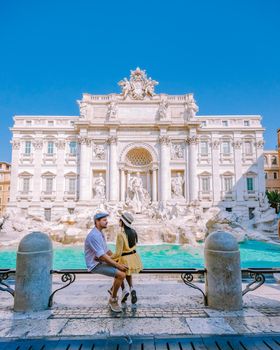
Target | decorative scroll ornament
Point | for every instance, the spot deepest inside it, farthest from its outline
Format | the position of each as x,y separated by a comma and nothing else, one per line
164,139
192,140
37,144
260,144
85,140
15,144
215,144
60,144
237,144
112,139
138,86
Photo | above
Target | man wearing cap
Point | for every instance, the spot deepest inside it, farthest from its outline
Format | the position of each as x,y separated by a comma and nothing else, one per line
98,258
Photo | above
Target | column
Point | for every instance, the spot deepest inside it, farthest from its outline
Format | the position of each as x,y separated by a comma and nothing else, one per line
37,153
122,185
260,181
85,190
239,186
165,187
216,180
192,166
148,182
113,170
154,185
60,179
14,186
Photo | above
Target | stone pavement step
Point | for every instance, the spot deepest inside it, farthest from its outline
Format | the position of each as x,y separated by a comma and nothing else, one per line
128,312
242,342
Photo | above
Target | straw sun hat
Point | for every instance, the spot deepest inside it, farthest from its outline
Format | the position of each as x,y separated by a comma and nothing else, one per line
127,219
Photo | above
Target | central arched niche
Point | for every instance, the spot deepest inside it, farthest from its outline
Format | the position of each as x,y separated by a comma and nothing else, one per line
138,157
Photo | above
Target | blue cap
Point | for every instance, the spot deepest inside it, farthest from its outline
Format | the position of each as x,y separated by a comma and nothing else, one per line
100,216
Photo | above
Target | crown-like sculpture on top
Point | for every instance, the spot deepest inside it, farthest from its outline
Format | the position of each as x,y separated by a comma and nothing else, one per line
138,86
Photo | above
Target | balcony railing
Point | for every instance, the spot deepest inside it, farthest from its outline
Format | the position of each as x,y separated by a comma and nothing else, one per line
48,195
24,195
205,195
69,195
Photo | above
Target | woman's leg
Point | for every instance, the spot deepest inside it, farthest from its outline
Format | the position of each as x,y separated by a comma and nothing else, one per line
129,281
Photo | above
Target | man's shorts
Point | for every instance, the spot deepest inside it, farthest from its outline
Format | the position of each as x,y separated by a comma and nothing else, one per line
104,269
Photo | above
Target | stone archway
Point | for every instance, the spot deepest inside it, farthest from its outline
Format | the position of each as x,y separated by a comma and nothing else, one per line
138,169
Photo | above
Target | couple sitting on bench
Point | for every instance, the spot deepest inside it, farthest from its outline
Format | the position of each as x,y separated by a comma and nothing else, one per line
119,265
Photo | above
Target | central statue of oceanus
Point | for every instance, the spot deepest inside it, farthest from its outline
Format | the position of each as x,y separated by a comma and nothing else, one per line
138,86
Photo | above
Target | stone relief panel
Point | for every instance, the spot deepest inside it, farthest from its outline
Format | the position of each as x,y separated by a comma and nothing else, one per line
177,151
99,151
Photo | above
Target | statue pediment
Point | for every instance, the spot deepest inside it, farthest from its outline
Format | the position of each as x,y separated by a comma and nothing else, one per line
138,86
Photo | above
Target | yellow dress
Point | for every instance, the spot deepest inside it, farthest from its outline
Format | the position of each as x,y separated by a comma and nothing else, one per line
133,261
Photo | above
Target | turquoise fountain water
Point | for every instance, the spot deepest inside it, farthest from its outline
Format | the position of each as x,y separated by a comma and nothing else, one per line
253,254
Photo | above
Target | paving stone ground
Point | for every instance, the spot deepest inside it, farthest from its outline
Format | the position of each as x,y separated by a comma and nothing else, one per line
166,307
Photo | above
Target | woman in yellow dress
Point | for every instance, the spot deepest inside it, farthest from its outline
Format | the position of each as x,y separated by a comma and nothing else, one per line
126,254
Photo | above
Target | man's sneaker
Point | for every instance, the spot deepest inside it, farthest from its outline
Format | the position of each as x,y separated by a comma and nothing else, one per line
114,305
133,296
125,295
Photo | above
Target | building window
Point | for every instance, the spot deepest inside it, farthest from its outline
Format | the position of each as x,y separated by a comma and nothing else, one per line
251,213
248,147
228,184
250,184
226,147
275,176
49,184
71,210
265,175
26,184
50,147
205,184
48,214
28,122
50,122
72,185
274,160
229,210
246,123
73,148
27,148
203,123
265,160
204,148
225,123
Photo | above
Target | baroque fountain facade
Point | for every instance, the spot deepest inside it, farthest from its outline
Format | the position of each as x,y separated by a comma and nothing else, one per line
180,174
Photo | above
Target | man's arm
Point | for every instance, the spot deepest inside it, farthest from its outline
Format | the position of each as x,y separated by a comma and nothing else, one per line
106,258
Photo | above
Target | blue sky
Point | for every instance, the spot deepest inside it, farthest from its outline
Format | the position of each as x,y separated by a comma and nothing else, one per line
226,52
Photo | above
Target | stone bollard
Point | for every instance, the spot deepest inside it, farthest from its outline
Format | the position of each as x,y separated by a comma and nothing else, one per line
223,278
33,278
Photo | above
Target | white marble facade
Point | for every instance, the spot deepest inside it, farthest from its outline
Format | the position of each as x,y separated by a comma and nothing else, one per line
137,147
